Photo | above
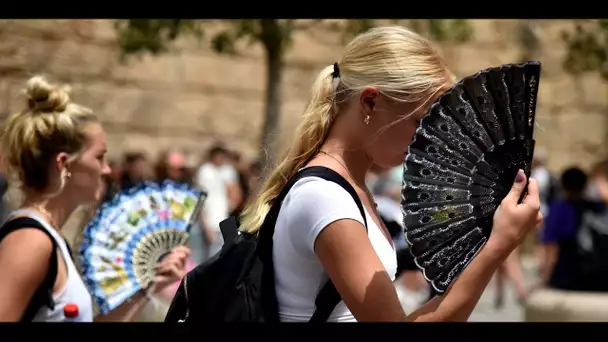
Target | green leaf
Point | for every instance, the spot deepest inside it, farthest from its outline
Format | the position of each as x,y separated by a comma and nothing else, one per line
223,42
587,47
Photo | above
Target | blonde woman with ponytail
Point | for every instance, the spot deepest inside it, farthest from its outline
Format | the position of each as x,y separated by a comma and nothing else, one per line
364,110
55,150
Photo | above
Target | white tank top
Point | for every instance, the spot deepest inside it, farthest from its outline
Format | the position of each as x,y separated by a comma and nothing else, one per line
74,290
311,205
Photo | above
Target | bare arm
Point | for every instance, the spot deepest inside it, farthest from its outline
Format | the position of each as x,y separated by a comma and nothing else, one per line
349,259
344,249
24,262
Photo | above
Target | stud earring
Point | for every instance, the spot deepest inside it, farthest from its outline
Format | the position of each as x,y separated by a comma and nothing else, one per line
366,120
68,175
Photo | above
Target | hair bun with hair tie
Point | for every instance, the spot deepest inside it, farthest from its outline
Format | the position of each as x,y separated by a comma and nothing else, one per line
43,96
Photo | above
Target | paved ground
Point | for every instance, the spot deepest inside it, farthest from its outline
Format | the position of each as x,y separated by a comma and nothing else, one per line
484,312
511,311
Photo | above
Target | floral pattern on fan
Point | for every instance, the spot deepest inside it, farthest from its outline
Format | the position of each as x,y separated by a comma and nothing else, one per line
130,234
462,162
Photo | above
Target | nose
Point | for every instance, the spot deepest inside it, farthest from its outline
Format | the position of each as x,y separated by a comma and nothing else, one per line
107,170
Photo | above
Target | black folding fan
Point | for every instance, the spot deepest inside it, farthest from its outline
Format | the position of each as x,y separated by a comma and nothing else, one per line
461,164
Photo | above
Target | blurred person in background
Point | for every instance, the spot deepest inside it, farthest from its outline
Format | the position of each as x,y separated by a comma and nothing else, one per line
575,236
238,190
548,184
4,207
594,191
112,181
560,267
412,289
135,170
386,182
549,191
217,178
172,165
510,270
56,149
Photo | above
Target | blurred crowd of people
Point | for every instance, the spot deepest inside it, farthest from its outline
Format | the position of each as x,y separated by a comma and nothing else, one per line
226,177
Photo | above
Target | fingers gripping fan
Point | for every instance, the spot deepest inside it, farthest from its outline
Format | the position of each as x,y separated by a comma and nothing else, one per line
130,234
461,164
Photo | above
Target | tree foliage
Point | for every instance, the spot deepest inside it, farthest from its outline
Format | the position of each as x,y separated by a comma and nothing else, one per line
587,48
152,35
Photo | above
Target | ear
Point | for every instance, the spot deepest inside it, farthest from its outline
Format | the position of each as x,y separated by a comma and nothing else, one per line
61,161
368,98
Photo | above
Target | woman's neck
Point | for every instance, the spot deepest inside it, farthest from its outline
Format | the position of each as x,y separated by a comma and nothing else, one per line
56,210
354,159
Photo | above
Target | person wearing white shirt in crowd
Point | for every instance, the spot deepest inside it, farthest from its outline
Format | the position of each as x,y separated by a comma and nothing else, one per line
216,178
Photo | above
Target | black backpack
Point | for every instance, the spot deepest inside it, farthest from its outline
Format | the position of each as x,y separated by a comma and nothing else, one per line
592,248
237,284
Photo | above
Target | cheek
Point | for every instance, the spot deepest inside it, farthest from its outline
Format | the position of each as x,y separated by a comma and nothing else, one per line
391,146
400,136
88,175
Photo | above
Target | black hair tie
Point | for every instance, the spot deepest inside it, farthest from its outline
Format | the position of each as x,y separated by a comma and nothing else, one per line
336,73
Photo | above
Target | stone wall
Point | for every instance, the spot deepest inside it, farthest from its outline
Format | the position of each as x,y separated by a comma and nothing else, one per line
192,96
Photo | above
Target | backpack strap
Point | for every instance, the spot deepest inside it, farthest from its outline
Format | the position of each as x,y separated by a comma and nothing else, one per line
328,297
43,296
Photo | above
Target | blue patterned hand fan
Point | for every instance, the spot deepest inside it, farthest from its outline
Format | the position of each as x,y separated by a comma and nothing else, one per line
130,234
461,164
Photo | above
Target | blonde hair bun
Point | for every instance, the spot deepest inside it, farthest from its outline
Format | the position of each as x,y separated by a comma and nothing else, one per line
43,96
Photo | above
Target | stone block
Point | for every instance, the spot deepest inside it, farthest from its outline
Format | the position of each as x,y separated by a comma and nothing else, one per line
74,60
219,71
148,70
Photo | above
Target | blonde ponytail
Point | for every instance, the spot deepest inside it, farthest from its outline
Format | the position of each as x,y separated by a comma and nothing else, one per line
399,63
309,137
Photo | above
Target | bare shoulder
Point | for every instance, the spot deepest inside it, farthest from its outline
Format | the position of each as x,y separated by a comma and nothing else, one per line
26,249
24,263
344,237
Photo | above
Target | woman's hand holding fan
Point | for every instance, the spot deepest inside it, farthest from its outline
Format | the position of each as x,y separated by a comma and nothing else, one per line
170,269
513,221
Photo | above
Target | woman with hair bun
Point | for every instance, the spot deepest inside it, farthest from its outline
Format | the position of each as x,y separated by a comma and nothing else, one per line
56,150
364,110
